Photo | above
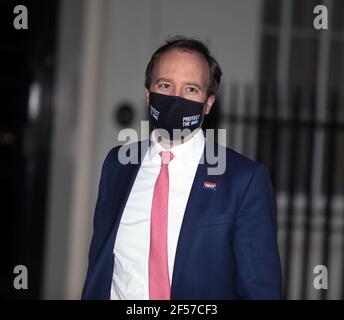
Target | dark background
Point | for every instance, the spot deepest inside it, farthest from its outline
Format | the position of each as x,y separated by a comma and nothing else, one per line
283,134
27,56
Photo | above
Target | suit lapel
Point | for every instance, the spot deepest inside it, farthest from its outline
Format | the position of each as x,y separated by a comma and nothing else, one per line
120,185
122,178
125,177
197,204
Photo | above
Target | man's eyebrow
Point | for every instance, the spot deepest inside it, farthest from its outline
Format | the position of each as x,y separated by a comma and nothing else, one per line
195,84
163,79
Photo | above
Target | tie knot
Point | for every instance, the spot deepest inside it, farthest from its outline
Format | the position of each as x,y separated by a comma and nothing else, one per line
166,156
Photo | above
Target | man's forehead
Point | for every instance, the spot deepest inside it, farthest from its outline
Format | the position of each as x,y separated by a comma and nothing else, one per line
182,61
183,55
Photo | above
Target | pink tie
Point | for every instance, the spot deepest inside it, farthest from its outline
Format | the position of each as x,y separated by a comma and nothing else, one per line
159,281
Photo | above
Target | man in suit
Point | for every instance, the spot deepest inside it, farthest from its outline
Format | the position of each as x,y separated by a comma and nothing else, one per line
165,227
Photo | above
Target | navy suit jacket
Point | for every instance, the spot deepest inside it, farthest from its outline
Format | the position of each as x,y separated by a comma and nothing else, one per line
227,246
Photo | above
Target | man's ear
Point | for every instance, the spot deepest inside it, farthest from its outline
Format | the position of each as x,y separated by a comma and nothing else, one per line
209,103
147,96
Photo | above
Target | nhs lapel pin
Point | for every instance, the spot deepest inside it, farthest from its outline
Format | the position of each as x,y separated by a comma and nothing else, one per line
209,185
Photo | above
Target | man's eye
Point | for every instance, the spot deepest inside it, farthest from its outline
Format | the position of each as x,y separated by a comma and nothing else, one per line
164,85
192,90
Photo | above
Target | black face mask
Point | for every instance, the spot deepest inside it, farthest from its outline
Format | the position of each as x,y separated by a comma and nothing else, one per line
173,112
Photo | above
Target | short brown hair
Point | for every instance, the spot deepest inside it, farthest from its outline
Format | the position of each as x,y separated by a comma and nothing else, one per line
187,44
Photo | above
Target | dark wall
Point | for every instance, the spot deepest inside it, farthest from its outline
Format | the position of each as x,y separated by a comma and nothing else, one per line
27,58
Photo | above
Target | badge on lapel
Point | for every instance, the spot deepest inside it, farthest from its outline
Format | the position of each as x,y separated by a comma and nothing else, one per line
209,185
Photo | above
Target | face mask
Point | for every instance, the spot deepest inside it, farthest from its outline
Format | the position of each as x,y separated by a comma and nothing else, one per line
173,112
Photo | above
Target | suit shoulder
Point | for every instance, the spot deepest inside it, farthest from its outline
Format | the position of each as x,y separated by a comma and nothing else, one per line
243,171
111,155
242,166
240,161
130,150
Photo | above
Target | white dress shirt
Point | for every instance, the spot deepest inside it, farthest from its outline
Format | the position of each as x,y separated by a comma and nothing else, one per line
131,249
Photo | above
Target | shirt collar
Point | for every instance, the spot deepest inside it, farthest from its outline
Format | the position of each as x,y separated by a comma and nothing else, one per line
186,153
